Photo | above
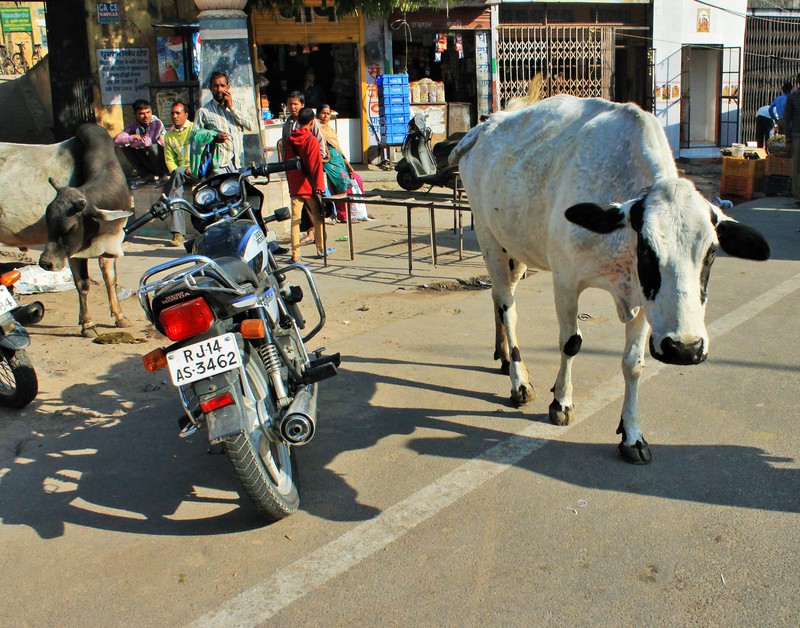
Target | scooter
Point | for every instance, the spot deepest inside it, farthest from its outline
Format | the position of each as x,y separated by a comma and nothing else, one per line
18,382
422,166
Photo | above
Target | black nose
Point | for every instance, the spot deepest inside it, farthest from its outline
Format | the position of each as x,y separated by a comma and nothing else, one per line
673,352
45,264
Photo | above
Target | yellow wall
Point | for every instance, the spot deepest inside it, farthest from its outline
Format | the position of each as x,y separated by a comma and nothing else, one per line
134,31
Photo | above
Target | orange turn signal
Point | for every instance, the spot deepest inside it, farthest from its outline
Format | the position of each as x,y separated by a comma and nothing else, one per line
155,360
253,328
10,278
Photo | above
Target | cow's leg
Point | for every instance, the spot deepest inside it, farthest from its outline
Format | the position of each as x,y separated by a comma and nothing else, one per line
505,273
569,342
80,276
108,266
633,447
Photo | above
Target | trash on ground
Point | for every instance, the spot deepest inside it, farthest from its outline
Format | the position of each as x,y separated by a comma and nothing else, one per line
35,280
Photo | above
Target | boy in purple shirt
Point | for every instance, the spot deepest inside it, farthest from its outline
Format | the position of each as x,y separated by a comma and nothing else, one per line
142,142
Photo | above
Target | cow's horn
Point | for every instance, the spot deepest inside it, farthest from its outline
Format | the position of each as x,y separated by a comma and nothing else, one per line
54,184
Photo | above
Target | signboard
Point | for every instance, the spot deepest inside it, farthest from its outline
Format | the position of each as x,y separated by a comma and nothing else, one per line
16,20
124,74
108,12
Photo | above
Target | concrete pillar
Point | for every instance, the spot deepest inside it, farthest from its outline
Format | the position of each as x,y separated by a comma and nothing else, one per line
225,48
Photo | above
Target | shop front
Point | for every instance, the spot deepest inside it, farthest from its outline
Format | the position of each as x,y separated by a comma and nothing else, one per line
317,52
447,57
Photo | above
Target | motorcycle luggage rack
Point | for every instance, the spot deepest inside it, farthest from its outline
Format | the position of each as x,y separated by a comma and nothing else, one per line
188,277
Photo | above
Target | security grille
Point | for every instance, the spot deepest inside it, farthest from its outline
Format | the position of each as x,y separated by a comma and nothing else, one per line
577,60
772,50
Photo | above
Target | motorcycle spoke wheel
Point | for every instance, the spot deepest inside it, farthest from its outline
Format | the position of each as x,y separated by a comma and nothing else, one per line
265,466
18,382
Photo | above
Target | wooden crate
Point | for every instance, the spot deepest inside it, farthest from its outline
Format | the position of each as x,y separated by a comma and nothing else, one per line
746,168
781,166
744,187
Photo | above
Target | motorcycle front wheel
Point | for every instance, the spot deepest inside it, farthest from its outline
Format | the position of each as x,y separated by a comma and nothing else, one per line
18,382
265,467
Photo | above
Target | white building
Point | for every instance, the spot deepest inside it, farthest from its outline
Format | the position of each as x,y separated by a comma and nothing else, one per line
698,53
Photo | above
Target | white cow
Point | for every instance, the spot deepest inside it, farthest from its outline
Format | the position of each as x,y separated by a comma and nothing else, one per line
71,197
539,182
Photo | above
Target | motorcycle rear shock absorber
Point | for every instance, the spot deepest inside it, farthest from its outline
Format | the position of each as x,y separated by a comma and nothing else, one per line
272,361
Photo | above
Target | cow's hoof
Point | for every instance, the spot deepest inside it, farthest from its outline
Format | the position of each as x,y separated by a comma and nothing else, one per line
89,331
505,367
522,395
124,322
560,415
638,453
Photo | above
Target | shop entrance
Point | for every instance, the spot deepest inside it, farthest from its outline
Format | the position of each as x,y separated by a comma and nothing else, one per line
335,72
442,56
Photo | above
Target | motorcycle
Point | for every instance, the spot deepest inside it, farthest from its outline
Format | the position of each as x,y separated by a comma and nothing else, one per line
422,166
239,357
18,382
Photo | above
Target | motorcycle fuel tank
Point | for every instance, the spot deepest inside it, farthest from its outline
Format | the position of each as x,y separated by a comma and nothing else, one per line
243,238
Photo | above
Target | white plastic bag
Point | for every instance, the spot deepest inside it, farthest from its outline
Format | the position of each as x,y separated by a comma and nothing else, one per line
358,211
35,280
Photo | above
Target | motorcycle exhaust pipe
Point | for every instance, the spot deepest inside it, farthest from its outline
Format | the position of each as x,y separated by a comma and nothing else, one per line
298,424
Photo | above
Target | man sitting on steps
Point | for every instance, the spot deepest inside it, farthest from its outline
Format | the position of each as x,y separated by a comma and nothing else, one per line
142,142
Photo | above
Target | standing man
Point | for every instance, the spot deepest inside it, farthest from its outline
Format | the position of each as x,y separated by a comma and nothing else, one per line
308,184
142,142
778,106
177,144
791,128
226,116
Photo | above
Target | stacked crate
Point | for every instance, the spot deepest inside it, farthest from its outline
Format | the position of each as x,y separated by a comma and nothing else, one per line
742,177
778,179
394,107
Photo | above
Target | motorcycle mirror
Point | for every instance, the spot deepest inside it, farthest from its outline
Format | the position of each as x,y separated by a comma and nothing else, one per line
283,213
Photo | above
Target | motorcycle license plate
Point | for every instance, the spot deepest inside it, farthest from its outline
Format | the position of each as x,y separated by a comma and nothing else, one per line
7,302
204,359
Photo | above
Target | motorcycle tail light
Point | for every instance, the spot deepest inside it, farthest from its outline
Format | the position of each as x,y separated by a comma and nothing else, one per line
186,319
253,328
155,360
209,405
10,278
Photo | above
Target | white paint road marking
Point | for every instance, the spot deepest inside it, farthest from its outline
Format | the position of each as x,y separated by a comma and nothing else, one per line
259,603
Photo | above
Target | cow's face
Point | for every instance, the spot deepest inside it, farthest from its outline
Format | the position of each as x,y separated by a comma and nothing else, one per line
75,228
676,234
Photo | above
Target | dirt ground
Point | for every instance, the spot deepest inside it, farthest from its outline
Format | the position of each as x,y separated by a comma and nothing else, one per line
83,382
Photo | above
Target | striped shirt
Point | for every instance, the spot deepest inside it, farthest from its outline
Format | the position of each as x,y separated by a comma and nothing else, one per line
231,121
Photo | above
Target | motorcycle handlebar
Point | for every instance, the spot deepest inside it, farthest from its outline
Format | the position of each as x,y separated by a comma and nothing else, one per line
140,222
264,170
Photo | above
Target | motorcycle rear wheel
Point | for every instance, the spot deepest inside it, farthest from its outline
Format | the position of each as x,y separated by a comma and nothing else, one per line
18,382
265,467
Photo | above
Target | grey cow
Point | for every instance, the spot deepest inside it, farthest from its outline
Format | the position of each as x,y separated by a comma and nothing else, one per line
72,198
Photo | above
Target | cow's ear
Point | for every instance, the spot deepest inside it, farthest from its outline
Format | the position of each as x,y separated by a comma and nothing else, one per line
110,215
597,218
54,184
77,207
739,240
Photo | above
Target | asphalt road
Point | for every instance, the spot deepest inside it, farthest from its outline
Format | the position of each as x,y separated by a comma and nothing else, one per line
428,500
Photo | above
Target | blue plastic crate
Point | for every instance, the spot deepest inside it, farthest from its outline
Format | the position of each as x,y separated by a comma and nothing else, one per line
392,140
392,90
393,129
393,101
396,118
392,79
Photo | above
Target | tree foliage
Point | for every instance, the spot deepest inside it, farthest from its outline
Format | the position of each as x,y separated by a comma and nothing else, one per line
371,8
